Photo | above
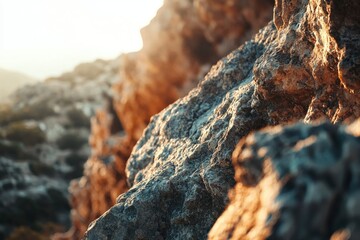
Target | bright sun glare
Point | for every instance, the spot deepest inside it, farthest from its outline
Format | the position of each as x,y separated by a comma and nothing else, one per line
45,38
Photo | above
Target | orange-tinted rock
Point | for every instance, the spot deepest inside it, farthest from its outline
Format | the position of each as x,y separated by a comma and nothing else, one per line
180,44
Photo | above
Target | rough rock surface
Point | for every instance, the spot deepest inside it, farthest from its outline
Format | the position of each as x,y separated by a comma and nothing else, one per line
297,67
180,44
298,182
44,133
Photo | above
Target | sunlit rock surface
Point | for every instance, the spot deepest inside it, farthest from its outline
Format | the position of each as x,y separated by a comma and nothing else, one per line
298,182
303,65
44,133
180,44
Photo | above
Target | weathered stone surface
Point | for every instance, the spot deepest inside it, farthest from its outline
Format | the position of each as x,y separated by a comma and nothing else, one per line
298,182
180,170
180,44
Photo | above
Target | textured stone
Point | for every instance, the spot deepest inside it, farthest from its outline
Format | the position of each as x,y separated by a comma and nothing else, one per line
180,44
298,182
180,170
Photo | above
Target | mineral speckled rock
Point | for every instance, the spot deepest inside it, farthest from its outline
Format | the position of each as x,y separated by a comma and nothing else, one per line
298,182
180,170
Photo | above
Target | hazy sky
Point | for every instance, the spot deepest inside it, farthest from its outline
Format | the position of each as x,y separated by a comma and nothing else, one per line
47,37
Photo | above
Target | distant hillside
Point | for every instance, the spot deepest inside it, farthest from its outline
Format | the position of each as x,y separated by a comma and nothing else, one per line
44,132
10,81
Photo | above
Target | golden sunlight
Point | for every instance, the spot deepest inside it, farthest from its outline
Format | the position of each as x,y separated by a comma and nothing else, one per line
44,38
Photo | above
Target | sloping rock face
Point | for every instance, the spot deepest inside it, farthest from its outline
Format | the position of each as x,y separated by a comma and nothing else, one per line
180,44
298,182
297,67
44,133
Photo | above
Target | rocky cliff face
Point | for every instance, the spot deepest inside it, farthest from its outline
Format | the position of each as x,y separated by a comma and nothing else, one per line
302,66
180,44
44,133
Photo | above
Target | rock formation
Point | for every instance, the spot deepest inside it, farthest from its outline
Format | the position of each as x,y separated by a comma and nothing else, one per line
44,133
180,44
298,182
302,66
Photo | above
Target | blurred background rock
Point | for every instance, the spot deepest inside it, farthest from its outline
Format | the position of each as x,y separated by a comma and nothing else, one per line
44,130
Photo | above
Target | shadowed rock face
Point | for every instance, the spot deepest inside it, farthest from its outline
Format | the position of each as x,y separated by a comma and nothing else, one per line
180,170
298,182
180,44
